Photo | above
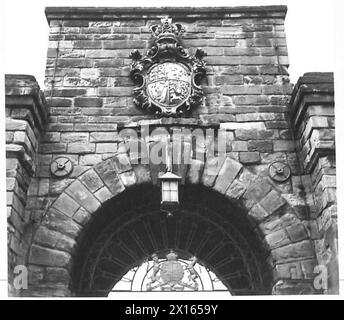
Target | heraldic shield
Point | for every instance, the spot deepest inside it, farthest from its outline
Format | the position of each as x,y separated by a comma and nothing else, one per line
171,275
168,77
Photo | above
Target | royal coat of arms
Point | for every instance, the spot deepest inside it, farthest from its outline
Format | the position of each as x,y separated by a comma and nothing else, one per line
171,275
168,78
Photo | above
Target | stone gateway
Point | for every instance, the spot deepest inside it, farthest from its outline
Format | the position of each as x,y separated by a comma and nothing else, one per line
255,162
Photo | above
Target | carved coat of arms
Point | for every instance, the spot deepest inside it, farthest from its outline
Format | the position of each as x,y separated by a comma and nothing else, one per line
168,77
170,275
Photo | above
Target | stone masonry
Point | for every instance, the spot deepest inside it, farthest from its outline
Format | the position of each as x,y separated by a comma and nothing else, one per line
248,97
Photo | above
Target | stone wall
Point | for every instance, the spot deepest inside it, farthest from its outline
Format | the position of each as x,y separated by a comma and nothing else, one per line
90,93
312,114
25,119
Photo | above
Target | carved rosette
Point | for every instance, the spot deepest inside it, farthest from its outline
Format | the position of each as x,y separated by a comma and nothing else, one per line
168,78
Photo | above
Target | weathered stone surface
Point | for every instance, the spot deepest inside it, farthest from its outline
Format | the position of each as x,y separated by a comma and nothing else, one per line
290,252
81,216
277,239
91,180
53,239
297,232
57,275
257,191
142,174
258,213
211,170
66,205
108,174
61,223
81,148
285,287
249,157
244,134
272,202
195,171
260,145
49,257
128,178
235,190
103,194
227,174
83,196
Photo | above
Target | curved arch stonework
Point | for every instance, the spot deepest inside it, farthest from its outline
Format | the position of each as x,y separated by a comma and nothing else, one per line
56,240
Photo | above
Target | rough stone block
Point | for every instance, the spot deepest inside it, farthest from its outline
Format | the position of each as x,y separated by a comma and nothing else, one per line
303,249
272,202
284,145
249,157
128,178
83,196
252,134
277,239
89,159
297,232
57,275
66,205
48,257
227,174
55,240
260,145
70,137
91,180
290,287
142,173
103,194
58,221
88,102
106,147
108,174
235,190
52,147
81,216
81,148
211,170
258,213
103,136
194,171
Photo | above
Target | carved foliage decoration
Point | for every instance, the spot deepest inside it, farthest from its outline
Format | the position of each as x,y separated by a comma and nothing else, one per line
168,78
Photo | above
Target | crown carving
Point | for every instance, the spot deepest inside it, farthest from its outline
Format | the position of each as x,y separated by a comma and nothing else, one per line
167,29
171,256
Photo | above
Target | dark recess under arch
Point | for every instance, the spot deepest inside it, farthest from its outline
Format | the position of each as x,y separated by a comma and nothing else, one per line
129,228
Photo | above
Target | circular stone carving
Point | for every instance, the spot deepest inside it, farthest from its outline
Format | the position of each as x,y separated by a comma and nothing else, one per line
279,171
61,167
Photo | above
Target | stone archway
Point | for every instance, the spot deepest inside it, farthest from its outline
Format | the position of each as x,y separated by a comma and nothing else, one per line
59,241
129,228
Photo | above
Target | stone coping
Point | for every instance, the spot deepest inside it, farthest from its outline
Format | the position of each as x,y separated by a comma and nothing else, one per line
123,13
318,84
20,91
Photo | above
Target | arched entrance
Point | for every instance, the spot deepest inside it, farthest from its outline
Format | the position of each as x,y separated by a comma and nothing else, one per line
130,228
108,221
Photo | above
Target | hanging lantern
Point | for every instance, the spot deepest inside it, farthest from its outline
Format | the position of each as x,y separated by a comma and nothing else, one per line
169,192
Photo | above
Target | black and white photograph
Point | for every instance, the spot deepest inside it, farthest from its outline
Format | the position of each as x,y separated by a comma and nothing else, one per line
170,150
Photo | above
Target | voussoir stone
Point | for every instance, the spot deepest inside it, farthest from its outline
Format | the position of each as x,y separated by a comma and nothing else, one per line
227,174
108,173
83,196
48,257
211,170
